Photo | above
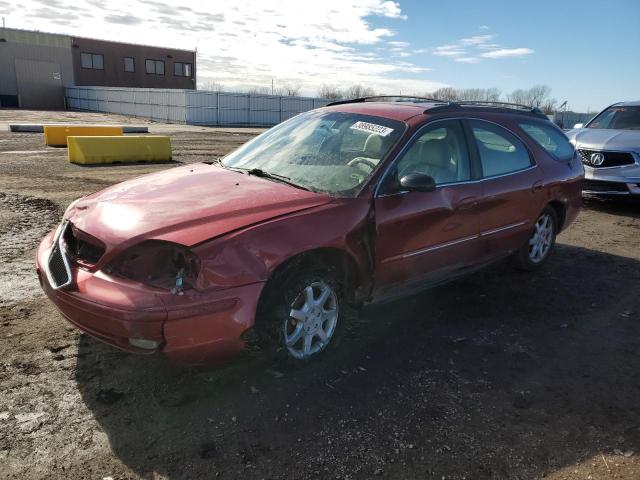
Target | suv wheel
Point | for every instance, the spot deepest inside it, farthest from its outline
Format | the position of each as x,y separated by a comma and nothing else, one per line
537,250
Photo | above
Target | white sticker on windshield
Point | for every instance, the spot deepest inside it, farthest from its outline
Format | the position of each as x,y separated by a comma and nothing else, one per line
372,128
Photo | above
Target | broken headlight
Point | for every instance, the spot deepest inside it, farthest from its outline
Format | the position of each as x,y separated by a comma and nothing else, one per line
157,263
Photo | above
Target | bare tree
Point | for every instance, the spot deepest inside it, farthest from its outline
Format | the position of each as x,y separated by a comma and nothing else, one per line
290,90
466,94
330,92
358,91
259,91
213,86
492,95
538,96
447,94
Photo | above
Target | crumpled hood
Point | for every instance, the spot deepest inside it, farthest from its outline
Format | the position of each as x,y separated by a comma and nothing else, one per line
605,139
186,205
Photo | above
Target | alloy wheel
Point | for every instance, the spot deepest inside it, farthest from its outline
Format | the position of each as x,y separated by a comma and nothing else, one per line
542,238
312,320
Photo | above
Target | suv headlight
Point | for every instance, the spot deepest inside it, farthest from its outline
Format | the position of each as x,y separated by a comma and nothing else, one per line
159,264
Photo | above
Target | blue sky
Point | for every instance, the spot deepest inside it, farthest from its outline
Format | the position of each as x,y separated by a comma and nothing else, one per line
587,51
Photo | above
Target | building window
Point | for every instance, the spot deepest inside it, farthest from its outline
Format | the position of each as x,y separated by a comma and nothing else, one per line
92,60
155,67
182,69
129,64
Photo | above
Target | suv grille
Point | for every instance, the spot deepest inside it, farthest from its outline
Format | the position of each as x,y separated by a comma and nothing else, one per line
611,159
81,248
600,186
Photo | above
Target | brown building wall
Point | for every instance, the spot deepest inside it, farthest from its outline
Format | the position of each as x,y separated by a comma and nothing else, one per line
113,73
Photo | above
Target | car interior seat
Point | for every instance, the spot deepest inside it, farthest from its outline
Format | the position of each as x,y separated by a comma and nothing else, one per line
436,155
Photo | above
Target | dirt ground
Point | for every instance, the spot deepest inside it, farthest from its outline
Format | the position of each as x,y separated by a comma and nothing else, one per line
501,375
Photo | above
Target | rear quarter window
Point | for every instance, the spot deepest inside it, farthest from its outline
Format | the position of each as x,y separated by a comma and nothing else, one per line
549,138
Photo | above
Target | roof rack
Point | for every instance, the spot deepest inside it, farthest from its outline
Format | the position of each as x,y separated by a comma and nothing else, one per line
389,98
515,106
443,105
489,106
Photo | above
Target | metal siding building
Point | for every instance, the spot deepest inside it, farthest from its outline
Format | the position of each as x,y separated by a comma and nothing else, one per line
35,67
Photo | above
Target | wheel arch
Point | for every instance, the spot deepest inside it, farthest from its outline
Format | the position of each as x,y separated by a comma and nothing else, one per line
560,210
323,258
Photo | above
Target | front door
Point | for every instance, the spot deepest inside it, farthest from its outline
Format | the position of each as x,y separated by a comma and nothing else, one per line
423,236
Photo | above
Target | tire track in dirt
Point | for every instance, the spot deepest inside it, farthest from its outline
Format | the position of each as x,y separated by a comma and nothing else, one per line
31,219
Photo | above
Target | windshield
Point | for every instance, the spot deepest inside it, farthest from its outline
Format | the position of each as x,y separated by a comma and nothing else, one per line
330,152
619,118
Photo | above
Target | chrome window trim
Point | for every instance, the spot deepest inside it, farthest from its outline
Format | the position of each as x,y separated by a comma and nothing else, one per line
57,241
534,163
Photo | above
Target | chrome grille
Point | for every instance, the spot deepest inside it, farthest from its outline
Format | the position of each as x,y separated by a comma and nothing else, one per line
58,270
611,159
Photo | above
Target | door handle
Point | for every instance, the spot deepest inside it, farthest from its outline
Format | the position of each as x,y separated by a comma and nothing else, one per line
537,186
467,203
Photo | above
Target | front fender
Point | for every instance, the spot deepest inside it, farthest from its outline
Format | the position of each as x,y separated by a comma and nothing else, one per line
252,254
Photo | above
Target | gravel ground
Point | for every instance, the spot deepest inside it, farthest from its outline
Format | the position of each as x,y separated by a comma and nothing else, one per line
500,375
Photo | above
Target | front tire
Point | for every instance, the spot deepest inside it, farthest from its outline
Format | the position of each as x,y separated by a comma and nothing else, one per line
537,250
303,315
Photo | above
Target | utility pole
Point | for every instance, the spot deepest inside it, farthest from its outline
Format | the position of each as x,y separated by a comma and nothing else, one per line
272,86
2,22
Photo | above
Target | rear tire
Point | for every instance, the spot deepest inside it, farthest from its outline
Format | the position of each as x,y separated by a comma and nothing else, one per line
538,247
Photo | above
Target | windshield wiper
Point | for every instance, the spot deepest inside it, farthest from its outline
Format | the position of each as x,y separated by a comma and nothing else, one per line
258,172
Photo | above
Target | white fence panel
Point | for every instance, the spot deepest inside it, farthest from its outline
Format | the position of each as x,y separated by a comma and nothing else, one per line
191,106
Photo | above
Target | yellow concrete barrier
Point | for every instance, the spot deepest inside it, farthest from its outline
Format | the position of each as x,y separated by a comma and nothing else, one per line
56,135
92,150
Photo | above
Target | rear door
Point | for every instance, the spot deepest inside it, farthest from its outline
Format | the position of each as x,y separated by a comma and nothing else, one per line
423,236
511,187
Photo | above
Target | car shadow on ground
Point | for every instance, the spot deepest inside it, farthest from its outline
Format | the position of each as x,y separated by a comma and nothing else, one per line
619,206
502,374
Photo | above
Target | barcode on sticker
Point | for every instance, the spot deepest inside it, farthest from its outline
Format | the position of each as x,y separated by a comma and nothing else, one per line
372,128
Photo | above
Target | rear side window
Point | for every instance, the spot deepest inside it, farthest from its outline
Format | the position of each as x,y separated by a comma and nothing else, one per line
500,151
549,138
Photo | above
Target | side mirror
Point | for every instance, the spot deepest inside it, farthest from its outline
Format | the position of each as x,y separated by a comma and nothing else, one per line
578,125
418,182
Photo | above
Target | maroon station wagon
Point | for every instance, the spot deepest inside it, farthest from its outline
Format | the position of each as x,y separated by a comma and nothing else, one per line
352,203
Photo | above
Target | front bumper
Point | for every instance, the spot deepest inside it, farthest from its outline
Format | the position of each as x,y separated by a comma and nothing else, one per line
194,328
612,181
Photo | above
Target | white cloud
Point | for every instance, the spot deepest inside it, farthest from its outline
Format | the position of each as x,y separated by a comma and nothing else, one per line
475,48
507,52
476,40
399,44
247,43
468,59
483,27
449,50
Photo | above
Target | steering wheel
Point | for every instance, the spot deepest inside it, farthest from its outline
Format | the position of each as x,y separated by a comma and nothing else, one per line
362,161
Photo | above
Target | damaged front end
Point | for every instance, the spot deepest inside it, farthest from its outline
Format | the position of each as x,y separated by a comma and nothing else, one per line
159,264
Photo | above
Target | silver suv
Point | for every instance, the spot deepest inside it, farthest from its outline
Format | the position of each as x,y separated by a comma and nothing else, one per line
609,145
